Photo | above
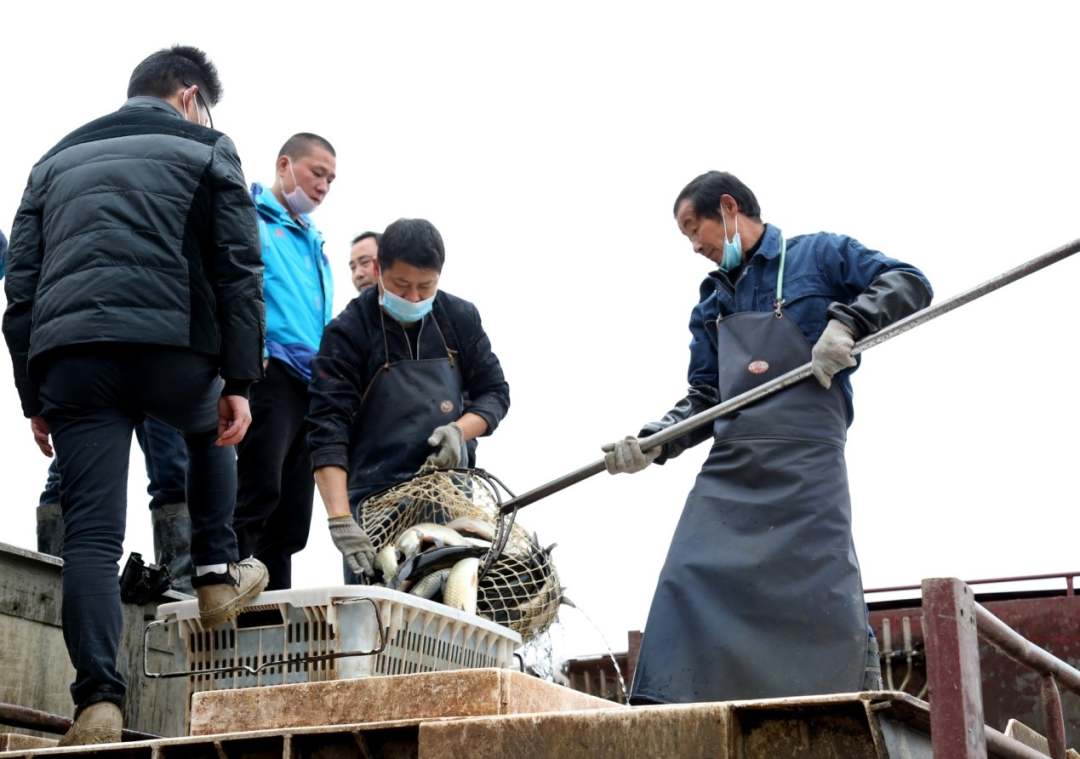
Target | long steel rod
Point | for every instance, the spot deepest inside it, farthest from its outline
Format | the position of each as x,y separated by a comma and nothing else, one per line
1067,576
1017,647
798,374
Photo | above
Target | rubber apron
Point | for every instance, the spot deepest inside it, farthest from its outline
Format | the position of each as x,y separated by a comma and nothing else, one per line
401,406
760,595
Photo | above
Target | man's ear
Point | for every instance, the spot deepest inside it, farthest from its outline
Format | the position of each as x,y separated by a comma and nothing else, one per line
281,165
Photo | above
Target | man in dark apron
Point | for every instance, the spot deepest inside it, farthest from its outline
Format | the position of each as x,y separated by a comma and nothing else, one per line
405,377
760,595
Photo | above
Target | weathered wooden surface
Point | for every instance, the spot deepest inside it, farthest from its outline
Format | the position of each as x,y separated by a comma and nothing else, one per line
878,725
19,742
34,661
429,695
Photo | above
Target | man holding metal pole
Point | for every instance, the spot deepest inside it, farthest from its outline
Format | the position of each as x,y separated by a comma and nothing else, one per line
760,595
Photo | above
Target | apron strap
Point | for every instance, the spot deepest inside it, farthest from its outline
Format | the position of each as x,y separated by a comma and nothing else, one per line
386,346
778,304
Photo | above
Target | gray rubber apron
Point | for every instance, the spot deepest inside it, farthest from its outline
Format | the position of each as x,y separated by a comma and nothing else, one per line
402,404
760,595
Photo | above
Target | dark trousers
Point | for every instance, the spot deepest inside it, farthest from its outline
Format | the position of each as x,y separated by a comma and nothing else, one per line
93,399
275,485
166,468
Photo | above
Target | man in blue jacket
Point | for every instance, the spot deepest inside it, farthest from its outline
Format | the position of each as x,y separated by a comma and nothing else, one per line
760,595
275,485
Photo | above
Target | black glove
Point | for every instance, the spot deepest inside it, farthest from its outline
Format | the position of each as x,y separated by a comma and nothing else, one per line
698,398
889,298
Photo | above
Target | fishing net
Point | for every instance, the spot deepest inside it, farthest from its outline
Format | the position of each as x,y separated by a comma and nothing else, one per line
519,587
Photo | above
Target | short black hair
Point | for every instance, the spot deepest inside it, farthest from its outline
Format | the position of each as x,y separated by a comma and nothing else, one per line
367,235
301,143
413,241
163,73
704,192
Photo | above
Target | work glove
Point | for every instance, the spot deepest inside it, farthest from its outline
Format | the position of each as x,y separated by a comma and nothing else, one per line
832,352
354,544
452,451
626,456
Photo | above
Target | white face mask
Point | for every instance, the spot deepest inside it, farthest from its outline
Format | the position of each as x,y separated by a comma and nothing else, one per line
298,201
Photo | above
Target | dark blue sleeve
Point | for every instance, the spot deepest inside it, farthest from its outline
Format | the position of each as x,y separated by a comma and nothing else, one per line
704,369
703,392
3,254
851,266
872,290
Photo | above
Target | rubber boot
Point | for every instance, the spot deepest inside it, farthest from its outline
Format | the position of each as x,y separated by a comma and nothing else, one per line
872,675
50,529
100,722
172,543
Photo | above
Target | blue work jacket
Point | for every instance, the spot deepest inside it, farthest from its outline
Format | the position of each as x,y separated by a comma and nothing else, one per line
819,269
298,286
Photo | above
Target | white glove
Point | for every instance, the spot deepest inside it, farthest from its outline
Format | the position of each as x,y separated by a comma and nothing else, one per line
452,452
832,352
626,456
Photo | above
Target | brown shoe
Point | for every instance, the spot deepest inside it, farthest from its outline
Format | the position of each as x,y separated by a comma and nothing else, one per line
100,722
223,596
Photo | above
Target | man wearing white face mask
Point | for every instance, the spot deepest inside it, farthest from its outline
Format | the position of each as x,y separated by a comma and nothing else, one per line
275,489
405,378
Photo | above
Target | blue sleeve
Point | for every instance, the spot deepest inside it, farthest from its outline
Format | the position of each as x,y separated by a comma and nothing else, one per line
3,254
703,369
851,267
871,290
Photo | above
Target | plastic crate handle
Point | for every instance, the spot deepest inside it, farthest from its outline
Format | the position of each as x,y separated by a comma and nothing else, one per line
384,635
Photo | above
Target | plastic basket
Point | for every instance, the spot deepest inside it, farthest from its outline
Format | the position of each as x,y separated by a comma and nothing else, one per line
270,641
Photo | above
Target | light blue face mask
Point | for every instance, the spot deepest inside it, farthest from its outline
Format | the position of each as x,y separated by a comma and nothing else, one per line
404,311
732,248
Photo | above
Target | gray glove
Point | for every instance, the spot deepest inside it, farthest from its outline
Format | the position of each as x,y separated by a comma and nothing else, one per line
626,456
832,352
452,451
354,544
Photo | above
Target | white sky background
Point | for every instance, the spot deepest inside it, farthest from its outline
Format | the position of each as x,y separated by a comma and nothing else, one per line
547,142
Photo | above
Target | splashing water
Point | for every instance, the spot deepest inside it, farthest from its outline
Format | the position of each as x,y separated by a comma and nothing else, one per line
607,647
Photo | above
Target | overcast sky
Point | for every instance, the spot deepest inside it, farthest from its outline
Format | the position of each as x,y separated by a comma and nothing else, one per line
547,142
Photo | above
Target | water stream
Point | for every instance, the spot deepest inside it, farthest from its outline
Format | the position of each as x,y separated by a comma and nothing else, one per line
607,648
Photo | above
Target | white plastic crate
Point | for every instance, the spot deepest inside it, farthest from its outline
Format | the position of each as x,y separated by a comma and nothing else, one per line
287,625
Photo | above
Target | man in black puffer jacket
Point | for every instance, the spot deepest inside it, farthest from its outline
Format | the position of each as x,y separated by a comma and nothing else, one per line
134,289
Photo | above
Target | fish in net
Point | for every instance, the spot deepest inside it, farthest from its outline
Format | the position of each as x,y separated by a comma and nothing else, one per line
519,588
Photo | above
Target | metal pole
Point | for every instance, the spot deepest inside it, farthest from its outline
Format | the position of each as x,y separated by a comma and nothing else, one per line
957,724
798,374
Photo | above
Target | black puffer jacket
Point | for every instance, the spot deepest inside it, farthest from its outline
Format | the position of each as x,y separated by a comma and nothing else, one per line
136,228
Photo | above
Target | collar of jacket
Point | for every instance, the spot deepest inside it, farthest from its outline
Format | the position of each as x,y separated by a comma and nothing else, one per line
267,205
142,102
768,248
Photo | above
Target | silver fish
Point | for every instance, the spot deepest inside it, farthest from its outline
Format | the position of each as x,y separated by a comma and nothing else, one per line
386,561
432,585
411,541
461,585
473,527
